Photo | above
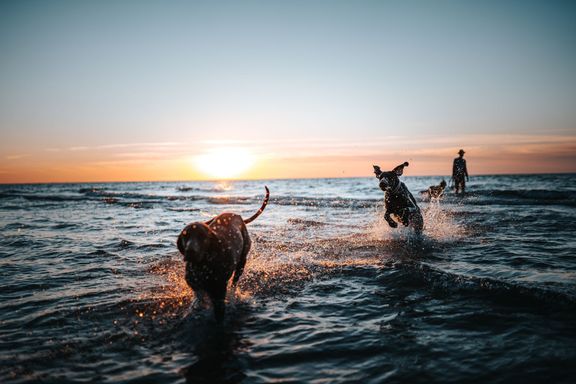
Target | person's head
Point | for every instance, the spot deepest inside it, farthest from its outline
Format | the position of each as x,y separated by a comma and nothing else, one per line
461,152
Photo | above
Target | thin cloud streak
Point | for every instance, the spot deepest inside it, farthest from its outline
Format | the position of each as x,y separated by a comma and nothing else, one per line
117,146
16,157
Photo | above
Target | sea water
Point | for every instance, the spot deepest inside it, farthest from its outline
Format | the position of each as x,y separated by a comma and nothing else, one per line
92,285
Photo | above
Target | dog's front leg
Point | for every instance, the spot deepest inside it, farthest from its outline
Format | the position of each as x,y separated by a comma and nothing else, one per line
217,294
390,221
405,216
198,303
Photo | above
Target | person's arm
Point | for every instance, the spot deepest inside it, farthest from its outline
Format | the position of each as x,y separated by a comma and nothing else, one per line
466,171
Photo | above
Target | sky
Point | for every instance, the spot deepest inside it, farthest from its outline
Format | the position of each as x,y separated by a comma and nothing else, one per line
186,90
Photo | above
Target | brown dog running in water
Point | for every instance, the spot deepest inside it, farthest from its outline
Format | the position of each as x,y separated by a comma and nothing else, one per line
213,251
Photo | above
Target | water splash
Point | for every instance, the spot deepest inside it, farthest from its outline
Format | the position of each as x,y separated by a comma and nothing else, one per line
439,223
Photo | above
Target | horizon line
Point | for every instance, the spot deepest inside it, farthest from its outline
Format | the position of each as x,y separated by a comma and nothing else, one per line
270,179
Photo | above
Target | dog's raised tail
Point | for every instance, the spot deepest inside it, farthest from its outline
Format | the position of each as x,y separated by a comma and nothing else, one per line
264,204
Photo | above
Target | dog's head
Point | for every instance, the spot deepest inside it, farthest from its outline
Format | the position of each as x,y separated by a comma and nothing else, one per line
194,242
389,181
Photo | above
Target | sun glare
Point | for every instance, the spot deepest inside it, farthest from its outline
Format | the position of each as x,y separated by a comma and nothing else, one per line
224,163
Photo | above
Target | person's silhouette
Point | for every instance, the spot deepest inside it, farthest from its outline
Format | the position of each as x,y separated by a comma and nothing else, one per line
460,173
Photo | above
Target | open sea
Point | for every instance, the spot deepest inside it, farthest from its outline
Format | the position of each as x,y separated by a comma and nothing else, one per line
92,286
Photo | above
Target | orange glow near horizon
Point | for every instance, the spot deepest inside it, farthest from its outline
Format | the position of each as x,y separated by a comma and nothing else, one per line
215,160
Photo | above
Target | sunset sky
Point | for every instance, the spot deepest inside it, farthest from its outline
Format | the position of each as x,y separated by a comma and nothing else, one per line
159,90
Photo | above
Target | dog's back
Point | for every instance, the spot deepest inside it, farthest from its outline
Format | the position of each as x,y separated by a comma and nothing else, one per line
232,240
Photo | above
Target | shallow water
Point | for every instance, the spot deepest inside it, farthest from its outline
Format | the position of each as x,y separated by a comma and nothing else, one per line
93,291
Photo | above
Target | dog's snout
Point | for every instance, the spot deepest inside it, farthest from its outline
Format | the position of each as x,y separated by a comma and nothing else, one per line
384,184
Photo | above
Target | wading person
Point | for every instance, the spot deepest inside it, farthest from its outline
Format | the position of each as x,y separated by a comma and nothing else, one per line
459,173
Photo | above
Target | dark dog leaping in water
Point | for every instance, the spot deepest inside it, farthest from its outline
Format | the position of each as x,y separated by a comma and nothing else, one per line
215,250
399,202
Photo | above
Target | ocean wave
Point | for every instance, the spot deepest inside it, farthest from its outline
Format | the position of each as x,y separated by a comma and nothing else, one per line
305,223
90,190
520,197
182,209
144,200
335,202
511,293
203,189
54,198
19,226
102,193
65,226
101,252
230,200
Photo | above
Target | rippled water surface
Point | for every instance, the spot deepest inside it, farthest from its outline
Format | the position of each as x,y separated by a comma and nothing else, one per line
92,286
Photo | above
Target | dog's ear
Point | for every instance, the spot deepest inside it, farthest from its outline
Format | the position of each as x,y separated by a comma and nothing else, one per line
377,170
180,241
206,244
399,170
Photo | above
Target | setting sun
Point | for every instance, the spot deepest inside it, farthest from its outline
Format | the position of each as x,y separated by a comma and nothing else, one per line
224,163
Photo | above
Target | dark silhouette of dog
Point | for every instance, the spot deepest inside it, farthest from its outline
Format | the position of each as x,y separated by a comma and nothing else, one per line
399,203
435,191
213,251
